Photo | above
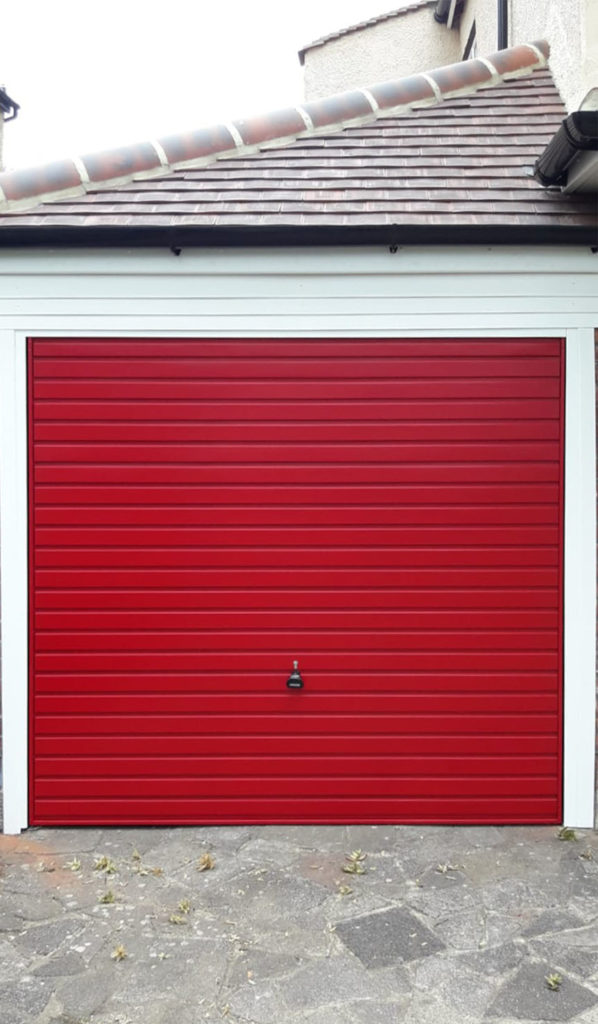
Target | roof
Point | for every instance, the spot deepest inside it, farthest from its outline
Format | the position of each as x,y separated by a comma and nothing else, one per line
415,5
413,159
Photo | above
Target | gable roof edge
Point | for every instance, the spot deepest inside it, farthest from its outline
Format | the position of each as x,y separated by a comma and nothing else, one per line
416,5
27,188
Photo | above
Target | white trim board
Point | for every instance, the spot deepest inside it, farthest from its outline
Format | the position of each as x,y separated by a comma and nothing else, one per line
579,578
14,578
579,590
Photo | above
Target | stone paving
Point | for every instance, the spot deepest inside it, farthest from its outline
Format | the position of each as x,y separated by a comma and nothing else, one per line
429,925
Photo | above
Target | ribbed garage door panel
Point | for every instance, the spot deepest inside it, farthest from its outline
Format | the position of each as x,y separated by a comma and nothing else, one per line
204,512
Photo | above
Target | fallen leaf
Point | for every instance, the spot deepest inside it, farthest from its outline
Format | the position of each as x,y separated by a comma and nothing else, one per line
184,906
135,855
177,919
119,953
105,864
356,855
344,890
42,866
554,981
157,872
74,864
587,855
353,868
108,897
566,834
205,862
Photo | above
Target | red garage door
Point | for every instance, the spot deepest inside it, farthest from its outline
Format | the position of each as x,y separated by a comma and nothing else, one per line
386,512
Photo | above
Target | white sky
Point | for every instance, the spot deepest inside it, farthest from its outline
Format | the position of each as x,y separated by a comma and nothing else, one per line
92,76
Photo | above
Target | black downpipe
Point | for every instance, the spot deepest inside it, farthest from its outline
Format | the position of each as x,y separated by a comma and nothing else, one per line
441,11
503,24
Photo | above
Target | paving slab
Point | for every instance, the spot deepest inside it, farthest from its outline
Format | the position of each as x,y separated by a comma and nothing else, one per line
389,937
526,996
444,926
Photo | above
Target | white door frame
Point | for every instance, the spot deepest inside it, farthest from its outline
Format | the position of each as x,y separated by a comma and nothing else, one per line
579,576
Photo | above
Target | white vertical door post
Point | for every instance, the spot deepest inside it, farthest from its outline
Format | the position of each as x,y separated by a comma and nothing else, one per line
580,581
13,577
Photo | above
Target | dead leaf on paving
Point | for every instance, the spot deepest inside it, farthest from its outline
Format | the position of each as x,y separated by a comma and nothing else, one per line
354,865
566,834
105,864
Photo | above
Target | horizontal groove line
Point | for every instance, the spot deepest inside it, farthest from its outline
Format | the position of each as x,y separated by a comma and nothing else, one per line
314,506
396,673
290,464
323,487
337,422
399,378
257,590
357,610
275,716
117,780
311,695
299,443
328,486
336,609
304,567
271,758
283,652
387,697
292,798
305,737
320,630
460,401
361,548
272,531
47,360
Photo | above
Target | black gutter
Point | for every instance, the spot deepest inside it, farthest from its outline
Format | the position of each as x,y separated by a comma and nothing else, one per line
502,18
577,134
391,236
441,11
8,106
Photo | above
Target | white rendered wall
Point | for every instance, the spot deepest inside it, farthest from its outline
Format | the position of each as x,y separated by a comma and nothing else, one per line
468,291
399,46
414,41
484,13
570,26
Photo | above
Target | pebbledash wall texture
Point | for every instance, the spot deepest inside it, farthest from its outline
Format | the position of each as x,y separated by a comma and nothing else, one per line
410,38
